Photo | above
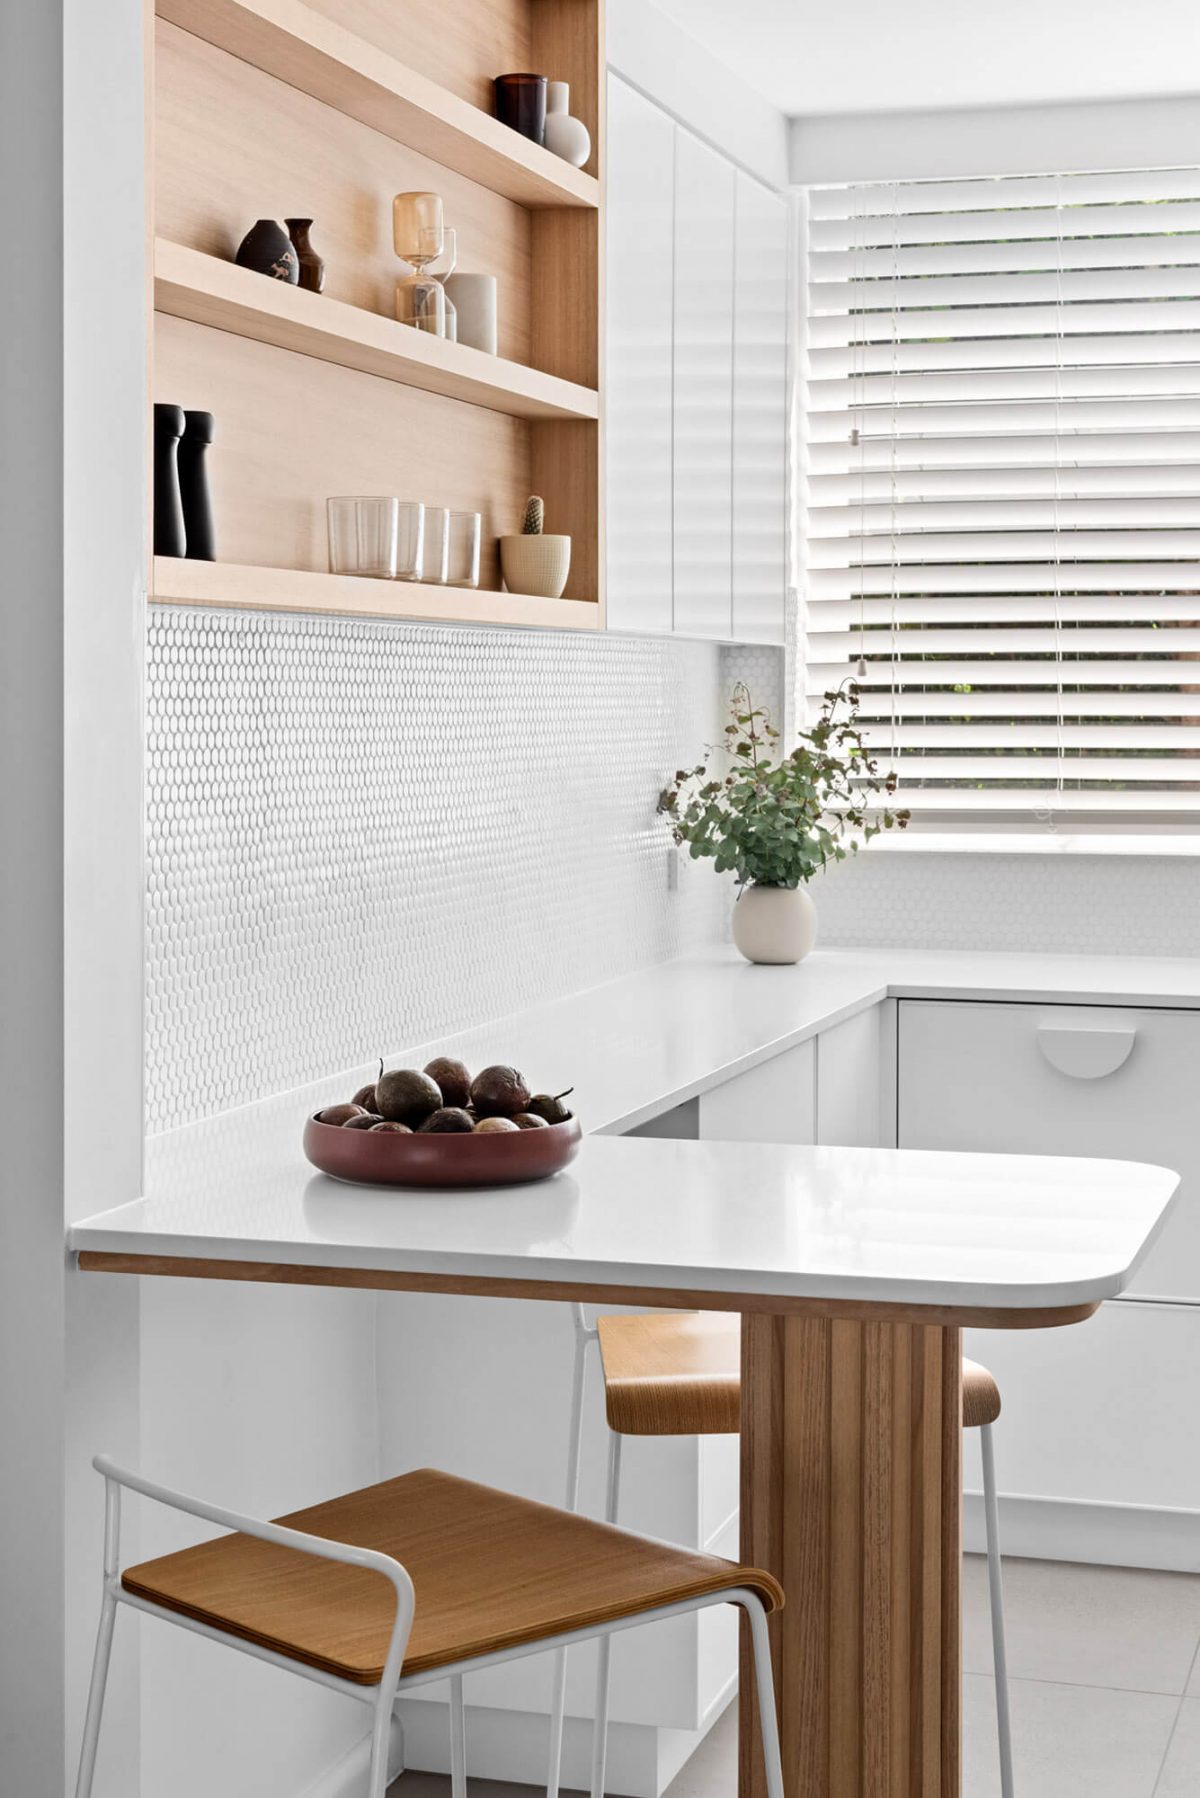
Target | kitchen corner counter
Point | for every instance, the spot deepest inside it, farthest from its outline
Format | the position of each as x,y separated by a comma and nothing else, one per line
856,1225
855,1270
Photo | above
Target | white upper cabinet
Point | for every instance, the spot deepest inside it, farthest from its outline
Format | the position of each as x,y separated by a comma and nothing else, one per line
696,384
760,405
705,186
640,289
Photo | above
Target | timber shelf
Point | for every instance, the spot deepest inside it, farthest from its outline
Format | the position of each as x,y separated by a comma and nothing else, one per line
204,289
234,587
311,52
327,108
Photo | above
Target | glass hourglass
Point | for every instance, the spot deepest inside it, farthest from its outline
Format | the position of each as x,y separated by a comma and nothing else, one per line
419,236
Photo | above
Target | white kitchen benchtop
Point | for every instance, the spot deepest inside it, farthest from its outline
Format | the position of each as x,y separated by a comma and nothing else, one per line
911,1226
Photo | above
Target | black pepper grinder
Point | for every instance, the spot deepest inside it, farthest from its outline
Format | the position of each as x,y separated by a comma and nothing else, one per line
170,538
193,487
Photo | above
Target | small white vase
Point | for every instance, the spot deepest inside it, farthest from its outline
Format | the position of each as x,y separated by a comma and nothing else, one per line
774,924
536,564
565,136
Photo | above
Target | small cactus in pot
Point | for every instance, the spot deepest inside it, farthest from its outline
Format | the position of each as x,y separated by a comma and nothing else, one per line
534,562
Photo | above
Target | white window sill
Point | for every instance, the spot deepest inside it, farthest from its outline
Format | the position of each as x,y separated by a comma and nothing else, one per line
1060,842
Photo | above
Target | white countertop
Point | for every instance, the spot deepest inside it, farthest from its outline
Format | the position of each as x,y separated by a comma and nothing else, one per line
905,1226
908,1226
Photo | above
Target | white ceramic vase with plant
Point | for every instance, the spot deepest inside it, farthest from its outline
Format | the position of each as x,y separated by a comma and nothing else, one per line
535,562
775,820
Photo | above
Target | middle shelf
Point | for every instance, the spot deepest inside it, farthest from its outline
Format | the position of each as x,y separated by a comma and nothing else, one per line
208,291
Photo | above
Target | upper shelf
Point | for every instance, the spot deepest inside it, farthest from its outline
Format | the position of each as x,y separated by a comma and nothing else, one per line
228,586
289,40
208,291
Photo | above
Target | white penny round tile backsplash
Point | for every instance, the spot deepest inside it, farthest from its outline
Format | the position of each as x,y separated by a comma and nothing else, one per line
362,835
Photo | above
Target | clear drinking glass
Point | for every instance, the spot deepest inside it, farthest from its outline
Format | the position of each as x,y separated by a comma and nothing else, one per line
436,549
363,534
462,562
411,539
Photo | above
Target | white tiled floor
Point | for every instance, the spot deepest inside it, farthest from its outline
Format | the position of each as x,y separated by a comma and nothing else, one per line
1104,1667
1099,1661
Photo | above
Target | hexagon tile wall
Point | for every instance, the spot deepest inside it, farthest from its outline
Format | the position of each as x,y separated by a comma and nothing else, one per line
362,835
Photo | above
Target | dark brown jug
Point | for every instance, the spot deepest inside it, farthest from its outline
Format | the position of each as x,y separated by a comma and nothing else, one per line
312,266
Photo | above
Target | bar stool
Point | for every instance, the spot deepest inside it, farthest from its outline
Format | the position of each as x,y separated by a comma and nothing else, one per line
417,1579
679,1374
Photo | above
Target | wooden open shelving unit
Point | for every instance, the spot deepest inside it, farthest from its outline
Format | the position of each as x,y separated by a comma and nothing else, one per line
278,108
189,284
226,586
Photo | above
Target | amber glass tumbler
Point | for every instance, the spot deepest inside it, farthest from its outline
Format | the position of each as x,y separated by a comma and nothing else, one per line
521,103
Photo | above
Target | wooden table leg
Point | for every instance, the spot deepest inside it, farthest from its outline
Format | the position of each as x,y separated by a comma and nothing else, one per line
851,1495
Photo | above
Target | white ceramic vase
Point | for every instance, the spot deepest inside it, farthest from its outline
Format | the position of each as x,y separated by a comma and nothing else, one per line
536,564
775,924
565,136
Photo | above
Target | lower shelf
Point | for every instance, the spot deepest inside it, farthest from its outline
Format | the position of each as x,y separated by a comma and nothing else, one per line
237,587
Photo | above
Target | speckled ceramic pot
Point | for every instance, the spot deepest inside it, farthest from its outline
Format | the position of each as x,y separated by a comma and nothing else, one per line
536,564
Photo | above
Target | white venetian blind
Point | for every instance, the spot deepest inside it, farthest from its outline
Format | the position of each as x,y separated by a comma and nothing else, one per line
1003,487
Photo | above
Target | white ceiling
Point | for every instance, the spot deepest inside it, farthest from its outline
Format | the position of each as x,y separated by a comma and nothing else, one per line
874,55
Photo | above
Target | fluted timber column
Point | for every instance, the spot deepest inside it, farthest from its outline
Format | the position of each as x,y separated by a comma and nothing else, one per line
851,1495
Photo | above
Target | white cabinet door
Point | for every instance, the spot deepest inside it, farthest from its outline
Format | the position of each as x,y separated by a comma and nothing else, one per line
1101,1414
849,1077
1063,1080
1092,1414
703,386
760,339
638,311
774,1102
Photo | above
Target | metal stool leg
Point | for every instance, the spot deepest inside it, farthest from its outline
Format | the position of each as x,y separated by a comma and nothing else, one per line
991,1513
458,1739
104,1637
764,1686
95,1703
604,1646
558,1697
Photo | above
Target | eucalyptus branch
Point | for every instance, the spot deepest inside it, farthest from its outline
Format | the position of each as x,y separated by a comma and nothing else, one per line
776,823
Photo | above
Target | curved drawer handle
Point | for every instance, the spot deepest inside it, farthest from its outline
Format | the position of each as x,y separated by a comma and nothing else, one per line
1085,1053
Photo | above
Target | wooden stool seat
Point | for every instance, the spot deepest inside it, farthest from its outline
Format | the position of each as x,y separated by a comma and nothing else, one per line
490,1572
981,1396
674,1373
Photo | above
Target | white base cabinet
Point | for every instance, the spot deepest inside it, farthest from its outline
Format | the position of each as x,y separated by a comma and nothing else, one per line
1099,1422
1115,1082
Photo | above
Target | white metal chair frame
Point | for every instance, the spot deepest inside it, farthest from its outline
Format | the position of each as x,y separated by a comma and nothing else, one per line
382,1697
587,1333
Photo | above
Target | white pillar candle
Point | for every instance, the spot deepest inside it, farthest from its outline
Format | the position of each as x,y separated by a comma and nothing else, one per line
474,298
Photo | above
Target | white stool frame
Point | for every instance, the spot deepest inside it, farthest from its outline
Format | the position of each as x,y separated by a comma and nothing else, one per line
587,1333
382,1697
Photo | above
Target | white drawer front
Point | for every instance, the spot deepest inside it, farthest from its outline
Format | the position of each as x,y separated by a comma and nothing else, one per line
1102,1412
1114,1082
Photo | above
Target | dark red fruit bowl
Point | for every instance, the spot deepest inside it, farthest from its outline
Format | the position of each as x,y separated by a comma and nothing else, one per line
493,1158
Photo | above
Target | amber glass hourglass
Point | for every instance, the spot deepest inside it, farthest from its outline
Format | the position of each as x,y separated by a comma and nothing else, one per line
419,236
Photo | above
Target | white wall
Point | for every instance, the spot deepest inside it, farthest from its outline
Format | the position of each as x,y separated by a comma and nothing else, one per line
994,140
71,554
32,1319
670,66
